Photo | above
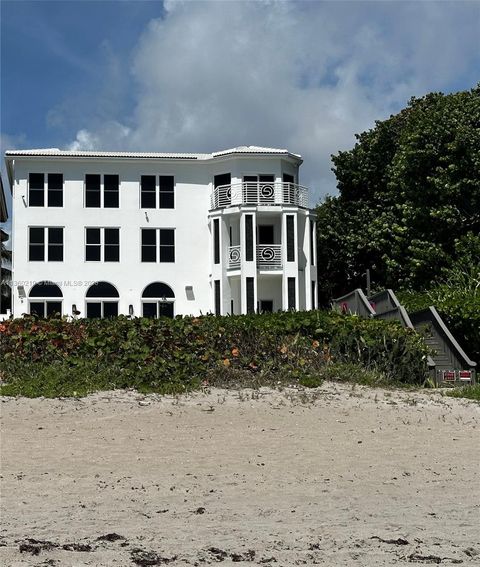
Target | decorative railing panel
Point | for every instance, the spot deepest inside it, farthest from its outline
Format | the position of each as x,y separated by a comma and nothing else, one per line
269,256
234,257
261,193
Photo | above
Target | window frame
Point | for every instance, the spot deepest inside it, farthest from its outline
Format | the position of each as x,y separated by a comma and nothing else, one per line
158,192
158,245
44,301
45,190
102,244
102,191
46,243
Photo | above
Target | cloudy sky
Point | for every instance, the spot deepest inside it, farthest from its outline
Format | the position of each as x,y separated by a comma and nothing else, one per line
203,76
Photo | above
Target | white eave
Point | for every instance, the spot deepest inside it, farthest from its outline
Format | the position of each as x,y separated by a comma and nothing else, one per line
55,152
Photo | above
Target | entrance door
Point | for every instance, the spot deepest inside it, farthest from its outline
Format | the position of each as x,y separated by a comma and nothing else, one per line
265,234
266,306
223,197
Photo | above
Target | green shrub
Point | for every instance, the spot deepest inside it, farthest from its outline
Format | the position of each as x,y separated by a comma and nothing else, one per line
56,357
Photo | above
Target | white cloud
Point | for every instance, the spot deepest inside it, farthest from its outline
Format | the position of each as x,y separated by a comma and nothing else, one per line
305,76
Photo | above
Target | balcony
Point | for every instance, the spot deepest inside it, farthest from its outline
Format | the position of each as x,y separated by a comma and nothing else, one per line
261,193
269,257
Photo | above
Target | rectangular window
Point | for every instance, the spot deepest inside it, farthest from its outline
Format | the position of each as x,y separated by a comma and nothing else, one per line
217,297
314,295
216,241
111,184
290,238
249,238
93,245
55,190
167,245
92,190
36,246
148,198
167,195
55,244
291,293
312,243
102,244
38,237
250,295
36,190
45,308
111,245
149,245
158,245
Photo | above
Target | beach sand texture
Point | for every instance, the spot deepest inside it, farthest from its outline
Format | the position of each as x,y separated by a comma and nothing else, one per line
336,476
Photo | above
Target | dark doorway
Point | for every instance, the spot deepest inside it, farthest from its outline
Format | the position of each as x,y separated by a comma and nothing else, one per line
223,179
266,306
265,234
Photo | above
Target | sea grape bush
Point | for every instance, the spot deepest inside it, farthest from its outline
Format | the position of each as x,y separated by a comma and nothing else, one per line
74,357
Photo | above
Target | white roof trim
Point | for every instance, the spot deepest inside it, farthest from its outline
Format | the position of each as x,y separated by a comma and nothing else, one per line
55,152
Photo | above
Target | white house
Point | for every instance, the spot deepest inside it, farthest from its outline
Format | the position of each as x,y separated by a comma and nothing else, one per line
103,233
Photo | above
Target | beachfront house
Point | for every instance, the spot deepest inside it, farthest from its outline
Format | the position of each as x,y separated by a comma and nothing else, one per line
97,234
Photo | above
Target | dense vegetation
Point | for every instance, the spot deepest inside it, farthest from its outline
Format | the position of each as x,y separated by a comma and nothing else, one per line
57,357
409,202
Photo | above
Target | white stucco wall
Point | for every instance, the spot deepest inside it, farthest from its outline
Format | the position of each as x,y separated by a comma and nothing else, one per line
193,264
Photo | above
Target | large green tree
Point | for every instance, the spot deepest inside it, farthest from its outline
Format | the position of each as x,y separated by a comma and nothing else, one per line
409,198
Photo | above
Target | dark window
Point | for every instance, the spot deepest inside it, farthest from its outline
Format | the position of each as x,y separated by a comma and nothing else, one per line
55,190
147,192
216,241
36,190
45,289
53,308
158,289
290,238
149,245
250,295
111,191
167,195
223,179
92,190
248,238
291,293
110,308
93,245
265,234
112,245
55,244
37,245
167,245
149,309
288,178
37,308
288,188
102,289
314,296
94,310
165,309
312,246
217,297
266,306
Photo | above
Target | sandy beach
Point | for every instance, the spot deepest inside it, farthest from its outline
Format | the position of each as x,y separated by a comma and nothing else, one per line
336,476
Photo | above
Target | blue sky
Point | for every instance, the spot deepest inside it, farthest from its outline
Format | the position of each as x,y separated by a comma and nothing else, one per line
201,76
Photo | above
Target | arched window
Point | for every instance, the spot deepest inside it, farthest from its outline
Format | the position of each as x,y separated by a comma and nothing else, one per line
158,300
102,300
45,299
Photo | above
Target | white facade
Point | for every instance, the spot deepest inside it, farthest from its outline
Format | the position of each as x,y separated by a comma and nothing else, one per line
240,231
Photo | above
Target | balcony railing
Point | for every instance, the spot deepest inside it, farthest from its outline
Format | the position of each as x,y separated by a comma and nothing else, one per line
262,193
269,257
234,257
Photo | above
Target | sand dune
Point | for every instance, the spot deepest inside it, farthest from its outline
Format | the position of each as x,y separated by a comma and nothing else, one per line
337,476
